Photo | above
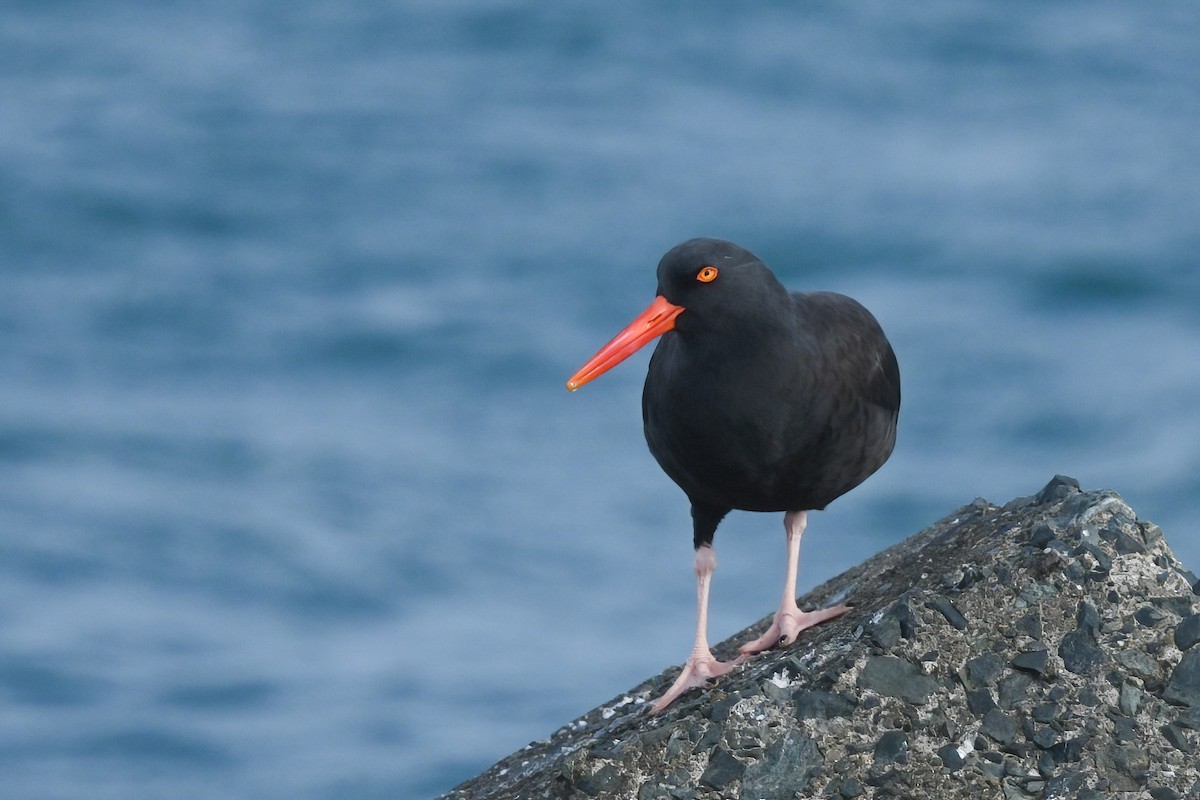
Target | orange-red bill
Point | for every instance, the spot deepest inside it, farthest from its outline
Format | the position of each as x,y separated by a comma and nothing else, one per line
657,319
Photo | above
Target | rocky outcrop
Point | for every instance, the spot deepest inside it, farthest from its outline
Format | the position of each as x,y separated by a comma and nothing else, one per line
1046,648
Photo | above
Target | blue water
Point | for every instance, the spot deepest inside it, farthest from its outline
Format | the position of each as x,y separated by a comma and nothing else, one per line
292,500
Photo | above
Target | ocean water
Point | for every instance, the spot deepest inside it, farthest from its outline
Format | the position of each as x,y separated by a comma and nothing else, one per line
293,502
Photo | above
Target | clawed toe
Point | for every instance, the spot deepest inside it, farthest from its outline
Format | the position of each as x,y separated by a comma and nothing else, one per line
787,626
700,671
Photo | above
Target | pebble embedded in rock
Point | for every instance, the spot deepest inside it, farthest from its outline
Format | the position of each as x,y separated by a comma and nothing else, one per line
850,788
1030,625
886,632
892,747
605,783
1124,730
1187,633
1037,661
1125,765
1059,487
1041,534
1045,712
817,704
1184,687
1190,577
951,757
1014,689
896,677
999,726
907,618
948,610
1045,737
786,767
1178,739
1149,616
1088,618
1080,653
719,710
1129,698
1179,605
1126,544
1069,750
979,701
722,770
1140,665
982,671
1064,785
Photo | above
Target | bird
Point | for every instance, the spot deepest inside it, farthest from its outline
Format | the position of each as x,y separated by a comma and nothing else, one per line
756,399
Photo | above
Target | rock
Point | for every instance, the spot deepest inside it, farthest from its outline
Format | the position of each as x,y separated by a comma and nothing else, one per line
1065,785
979,701
1014,689
1059,487
1177,737
1184,686
1149,616
1045,712
1068,751
1045,648
1088,618
983,671
1126,766
1124,729
1164,793
1045,738
886,633
1031,625
784,769
1128,699
605,782
722,770
892,747
1080,653
896,677
1140,664
1187,633
850,788
999,726
951,757
1035,661
817,704
949,611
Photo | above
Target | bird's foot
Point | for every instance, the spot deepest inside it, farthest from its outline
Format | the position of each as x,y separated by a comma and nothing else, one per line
700,670
787,626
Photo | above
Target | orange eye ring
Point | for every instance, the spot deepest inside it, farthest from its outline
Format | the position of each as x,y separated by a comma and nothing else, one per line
706,274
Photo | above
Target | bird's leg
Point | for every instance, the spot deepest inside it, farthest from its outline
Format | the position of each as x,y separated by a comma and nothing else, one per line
701,666
789,619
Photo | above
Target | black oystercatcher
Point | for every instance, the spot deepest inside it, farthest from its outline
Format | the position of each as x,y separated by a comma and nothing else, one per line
756,399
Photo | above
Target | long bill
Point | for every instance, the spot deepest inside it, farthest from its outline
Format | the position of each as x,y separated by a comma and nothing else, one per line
657,319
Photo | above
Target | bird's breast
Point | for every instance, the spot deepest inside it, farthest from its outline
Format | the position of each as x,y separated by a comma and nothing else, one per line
727,429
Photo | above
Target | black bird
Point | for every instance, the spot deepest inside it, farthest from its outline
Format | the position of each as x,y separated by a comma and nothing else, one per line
756,399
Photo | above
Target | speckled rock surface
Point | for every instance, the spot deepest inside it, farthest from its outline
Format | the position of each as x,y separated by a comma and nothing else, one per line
1042,649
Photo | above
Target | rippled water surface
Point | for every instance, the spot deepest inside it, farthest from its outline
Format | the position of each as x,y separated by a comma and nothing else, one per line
292,500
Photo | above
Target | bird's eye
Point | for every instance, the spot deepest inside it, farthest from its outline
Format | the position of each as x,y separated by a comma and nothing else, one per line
706,274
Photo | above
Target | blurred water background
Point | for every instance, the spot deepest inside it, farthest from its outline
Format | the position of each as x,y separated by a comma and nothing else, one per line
293,502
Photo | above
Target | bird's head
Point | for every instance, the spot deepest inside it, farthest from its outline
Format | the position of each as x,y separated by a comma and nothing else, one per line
702,284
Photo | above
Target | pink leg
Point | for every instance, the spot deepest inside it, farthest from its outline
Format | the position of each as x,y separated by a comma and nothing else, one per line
701,666
789,619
